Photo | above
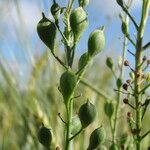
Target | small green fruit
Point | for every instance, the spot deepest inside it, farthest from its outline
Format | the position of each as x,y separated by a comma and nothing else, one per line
114,147
96,42
97,137
124,139
83,3
87,114
124,28
110,63
68,82
109,109
47,32
148,77
45,137
83,61
119,83
78,22
132,75
55,10
75,125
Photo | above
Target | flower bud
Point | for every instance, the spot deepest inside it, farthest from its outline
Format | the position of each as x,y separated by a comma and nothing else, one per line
68,82
83,61
47,32
96,41
114,147
87,114
45,137
110,63
109,108
97,137
83,3
75,125
78,22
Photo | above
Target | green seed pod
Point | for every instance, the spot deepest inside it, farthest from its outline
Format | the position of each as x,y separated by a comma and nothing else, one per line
78,22
47,32
119,83
124,28
110,63
132,75
114,147
96,42
55,11
102,147
68,82
83,61
45,137
109,108
83,3
97,137
87,114
75,125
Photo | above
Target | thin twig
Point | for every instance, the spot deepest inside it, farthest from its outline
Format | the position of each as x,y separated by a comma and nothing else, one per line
146,46
145,135
76,134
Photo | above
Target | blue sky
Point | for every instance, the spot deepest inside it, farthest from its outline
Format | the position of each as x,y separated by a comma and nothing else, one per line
19,41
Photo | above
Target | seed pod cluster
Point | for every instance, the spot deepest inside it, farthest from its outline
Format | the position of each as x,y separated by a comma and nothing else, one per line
78,22
96,42
68,82
45,137
97,137
109,108
47,32
87,114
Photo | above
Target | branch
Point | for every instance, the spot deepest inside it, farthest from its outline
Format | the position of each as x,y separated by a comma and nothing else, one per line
76,134
147,86
132,19
146,46
145,135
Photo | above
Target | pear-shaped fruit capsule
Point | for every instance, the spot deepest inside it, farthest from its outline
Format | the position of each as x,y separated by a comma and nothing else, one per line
114,147
109,109
68,82
83,61
110,63
96,41
87,114
75,125
78,22
83,3
47,32
97,137
119,83
124,28
55,11
45,137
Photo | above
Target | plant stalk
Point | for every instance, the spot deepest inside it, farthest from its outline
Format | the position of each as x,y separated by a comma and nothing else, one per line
138,69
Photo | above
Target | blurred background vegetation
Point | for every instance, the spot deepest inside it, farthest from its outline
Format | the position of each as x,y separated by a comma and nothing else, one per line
29,76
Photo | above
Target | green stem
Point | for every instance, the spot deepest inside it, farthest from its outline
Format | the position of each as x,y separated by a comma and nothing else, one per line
119,89
138,69
69,109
